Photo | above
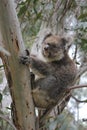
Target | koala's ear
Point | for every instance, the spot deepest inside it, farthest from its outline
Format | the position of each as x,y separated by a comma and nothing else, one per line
48,35
66,42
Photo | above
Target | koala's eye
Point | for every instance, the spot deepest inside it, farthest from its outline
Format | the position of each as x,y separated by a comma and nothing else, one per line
48,44
51,45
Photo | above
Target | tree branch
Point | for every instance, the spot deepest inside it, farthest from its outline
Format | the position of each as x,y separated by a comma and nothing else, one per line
76,87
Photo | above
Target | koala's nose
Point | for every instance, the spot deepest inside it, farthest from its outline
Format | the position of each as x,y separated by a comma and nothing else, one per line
46,47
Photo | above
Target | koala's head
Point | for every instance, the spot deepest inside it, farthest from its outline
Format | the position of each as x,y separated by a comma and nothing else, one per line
54,47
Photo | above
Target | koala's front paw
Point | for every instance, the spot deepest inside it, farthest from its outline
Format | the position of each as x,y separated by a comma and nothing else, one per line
25,58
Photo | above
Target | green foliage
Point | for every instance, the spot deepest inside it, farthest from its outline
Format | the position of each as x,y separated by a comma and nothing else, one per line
27,11
84,44
1,66
82,29
31,11
83,17
31,14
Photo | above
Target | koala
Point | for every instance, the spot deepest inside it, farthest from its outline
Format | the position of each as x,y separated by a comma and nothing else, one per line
56,73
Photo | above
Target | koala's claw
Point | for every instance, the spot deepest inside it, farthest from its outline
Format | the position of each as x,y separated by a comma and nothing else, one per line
27,52
24,58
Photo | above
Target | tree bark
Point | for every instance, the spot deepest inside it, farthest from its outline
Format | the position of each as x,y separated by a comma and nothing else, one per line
17,74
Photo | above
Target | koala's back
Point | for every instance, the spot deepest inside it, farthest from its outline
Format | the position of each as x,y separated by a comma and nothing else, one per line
65,73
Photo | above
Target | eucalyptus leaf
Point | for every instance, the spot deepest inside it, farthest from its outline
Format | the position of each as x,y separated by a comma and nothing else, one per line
82,16
22,10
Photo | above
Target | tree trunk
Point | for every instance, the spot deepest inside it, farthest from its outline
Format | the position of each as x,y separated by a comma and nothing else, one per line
17,75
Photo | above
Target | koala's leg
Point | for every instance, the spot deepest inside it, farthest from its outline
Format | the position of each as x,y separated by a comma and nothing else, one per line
44,92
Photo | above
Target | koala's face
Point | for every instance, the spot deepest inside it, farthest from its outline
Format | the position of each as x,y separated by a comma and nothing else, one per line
53,47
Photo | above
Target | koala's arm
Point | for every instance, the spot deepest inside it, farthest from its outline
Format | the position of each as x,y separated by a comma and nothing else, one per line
39,67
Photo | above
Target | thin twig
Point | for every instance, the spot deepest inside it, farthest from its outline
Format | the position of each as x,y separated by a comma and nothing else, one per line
81,71
76,87
79,101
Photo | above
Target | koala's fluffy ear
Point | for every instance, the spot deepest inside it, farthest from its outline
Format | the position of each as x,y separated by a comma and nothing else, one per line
67,42
48,35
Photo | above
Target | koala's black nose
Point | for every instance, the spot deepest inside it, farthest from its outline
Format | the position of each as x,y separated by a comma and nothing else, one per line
46,47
